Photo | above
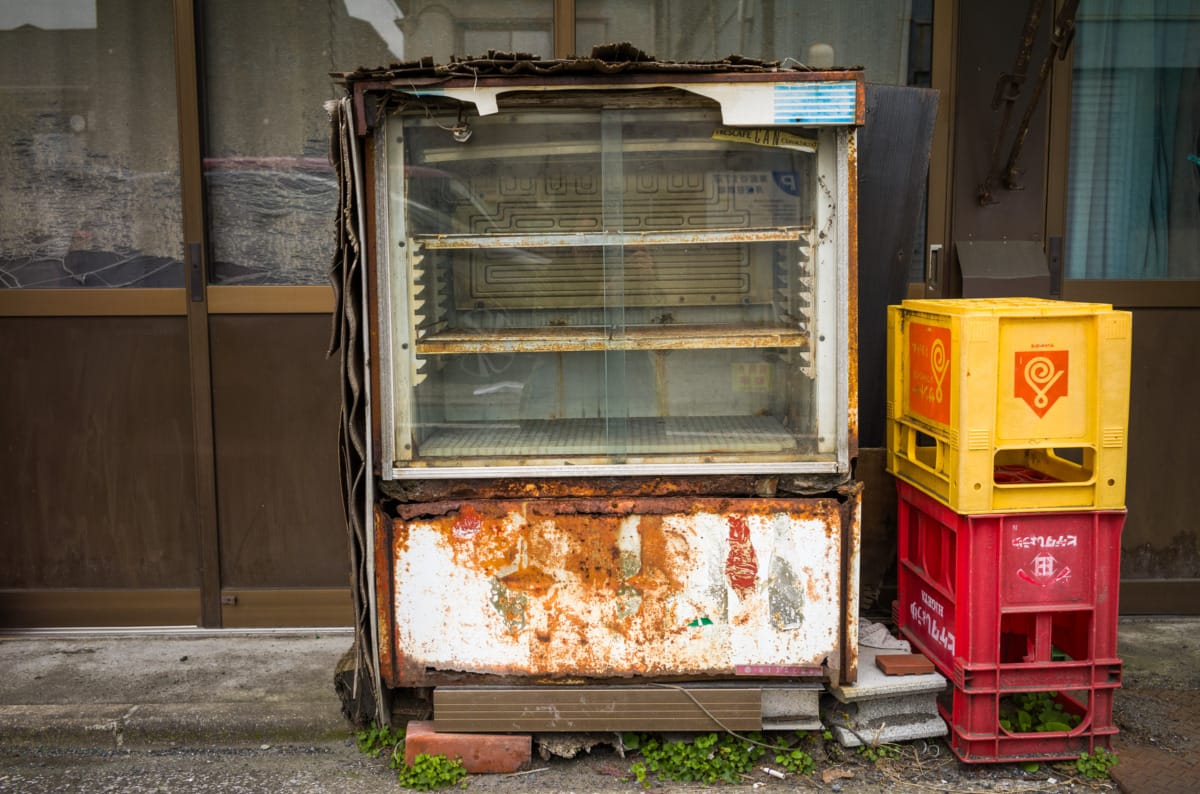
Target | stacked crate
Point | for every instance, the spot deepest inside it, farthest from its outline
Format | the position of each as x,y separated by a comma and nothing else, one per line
1007,427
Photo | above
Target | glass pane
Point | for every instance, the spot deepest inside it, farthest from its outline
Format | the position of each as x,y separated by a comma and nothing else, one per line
631,284
89,163
271,190
1132,206
893,40
868,33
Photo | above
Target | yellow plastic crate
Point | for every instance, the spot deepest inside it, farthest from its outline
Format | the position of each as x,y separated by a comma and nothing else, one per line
1006,405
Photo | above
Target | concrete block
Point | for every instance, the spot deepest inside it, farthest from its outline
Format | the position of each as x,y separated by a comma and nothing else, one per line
875,710
873,683
480,753
901,730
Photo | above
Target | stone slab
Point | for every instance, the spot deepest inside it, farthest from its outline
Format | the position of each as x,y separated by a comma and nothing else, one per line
873,683
906,731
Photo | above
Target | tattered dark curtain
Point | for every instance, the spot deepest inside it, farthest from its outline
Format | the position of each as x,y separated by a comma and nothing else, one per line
359,685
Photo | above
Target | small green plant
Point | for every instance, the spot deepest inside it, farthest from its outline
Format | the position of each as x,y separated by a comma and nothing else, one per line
877,752
706,759
792,758
1036,712
1096,765
797,761
639,773
377,740
430,772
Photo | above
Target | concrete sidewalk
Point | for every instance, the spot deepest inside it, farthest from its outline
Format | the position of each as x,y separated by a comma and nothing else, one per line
163,687
167,688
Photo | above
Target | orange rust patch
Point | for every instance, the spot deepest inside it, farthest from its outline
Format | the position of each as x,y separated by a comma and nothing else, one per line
660,559
532,581
592,553
819,588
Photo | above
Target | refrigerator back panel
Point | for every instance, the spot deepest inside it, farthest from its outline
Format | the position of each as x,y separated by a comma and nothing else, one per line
656,587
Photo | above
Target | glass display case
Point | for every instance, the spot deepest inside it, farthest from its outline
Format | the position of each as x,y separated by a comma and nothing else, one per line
581,279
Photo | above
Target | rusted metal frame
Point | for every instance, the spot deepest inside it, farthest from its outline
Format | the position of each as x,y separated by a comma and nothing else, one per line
1008,90
848,234
860,101
821,507
461,489
384,598
363,124
813,471
1060,42
187,89
850,580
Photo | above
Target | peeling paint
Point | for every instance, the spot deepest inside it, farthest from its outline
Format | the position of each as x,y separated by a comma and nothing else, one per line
614,588
786,596
511,606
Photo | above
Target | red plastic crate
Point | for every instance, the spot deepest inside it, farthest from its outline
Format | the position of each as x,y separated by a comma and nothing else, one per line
976,735
1010,600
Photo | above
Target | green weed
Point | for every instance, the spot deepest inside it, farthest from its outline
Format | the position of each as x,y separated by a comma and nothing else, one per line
430,772
1036,712
706,759
376,740
877,752
1096,765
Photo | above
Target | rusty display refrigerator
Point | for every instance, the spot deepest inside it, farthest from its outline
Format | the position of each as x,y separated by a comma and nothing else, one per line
600,322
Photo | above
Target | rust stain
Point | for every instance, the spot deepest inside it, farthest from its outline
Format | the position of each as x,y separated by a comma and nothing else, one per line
588,586
659,571
741,565
383,600
428,498
593,556
533,581
819,587
852,290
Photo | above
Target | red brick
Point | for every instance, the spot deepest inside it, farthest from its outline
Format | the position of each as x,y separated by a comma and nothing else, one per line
903,663
480,753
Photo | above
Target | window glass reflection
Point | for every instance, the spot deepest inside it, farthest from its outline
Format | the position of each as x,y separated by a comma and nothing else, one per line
89,163
271,191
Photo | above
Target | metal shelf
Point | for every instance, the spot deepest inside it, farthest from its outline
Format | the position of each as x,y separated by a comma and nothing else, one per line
553,339
634,436
582,239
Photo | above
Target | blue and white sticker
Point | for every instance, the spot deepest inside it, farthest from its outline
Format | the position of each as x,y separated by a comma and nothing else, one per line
815,103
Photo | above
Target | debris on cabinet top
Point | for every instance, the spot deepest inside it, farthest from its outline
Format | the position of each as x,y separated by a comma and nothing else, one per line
604,59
